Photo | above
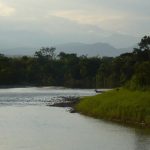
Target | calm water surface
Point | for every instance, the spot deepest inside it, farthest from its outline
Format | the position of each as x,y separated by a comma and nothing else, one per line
27,123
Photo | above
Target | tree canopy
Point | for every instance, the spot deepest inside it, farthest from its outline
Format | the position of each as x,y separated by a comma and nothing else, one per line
70,70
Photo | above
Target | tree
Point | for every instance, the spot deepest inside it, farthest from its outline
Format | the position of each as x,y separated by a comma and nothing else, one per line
145,43
46,53
104,72
142,53
141,78
141,56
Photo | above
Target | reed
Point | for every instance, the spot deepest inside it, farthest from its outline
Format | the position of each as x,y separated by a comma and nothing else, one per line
119,105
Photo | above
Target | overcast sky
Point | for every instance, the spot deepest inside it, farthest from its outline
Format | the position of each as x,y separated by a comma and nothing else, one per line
61,21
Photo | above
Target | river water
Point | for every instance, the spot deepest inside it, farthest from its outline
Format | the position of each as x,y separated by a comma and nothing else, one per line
27,123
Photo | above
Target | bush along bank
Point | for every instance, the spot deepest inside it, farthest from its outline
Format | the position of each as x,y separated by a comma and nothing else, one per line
125,106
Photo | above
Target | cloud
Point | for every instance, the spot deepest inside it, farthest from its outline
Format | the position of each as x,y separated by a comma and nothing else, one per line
68,20
6,10
116,15
110,20
86,17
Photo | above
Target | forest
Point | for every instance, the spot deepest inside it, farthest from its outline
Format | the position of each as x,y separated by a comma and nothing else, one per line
46,68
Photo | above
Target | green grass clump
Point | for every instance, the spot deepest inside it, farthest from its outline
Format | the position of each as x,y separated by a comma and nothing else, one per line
123,106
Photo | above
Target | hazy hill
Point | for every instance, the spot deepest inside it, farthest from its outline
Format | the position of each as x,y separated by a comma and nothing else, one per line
96,49
101,49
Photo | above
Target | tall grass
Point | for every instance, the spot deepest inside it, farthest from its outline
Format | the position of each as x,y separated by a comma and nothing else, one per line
123,105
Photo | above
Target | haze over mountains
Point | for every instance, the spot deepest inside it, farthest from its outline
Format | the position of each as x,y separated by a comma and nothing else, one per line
87,40
24,38
95,27
96,49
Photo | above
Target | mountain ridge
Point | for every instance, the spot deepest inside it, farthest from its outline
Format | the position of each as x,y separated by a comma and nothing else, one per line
95,49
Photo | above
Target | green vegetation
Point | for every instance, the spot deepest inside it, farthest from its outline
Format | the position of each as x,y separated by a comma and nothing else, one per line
122,105
130,70
127,105
69,70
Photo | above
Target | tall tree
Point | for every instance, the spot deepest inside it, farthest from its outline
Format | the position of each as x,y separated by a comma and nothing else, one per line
46,53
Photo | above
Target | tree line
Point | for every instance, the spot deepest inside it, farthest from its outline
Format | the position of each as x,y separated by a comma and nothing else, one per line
46,68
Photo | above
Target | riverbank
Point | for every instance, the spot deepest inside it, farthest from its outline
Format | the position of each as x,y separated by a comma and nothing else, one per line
67,102
125,106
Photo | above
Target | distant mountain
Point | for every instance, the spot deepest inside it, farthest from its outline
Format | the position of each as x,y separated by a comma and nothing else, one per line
19,51
96,49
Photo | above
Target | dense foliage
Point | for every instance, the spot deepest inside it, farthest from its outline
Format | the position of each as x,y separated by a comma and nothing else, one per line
70,70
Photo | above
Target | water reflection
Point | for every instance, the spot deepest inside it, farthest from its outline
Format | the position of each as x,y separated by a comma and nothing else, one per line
39,127
38,96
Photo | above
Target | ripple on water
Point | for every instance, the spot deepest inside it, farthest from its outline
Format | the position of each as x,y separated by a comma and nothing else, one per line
38,96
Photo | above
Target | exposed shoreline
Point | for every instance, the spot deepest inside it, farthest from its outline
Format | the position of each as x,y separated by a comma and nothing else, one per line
120,105
67,102
123,106
73,102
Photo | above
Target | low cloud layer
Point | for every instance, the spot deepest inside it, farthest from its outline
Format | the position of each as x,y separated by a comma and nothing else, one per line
67,20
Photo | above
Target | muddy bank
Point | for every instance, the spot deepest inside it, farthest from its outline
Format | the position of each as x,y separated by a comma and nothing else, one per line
68,102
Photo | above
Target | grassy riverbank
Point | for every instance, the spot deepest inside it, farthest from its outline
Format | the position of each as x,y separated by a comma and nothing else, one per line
124,106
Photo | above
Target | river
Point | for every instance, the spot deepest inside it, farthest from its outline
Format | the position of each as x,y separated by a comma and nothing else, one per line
27,123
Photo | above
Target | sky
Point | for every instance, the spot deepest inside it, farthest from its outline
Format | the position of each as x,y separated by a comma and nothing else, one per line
43,22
